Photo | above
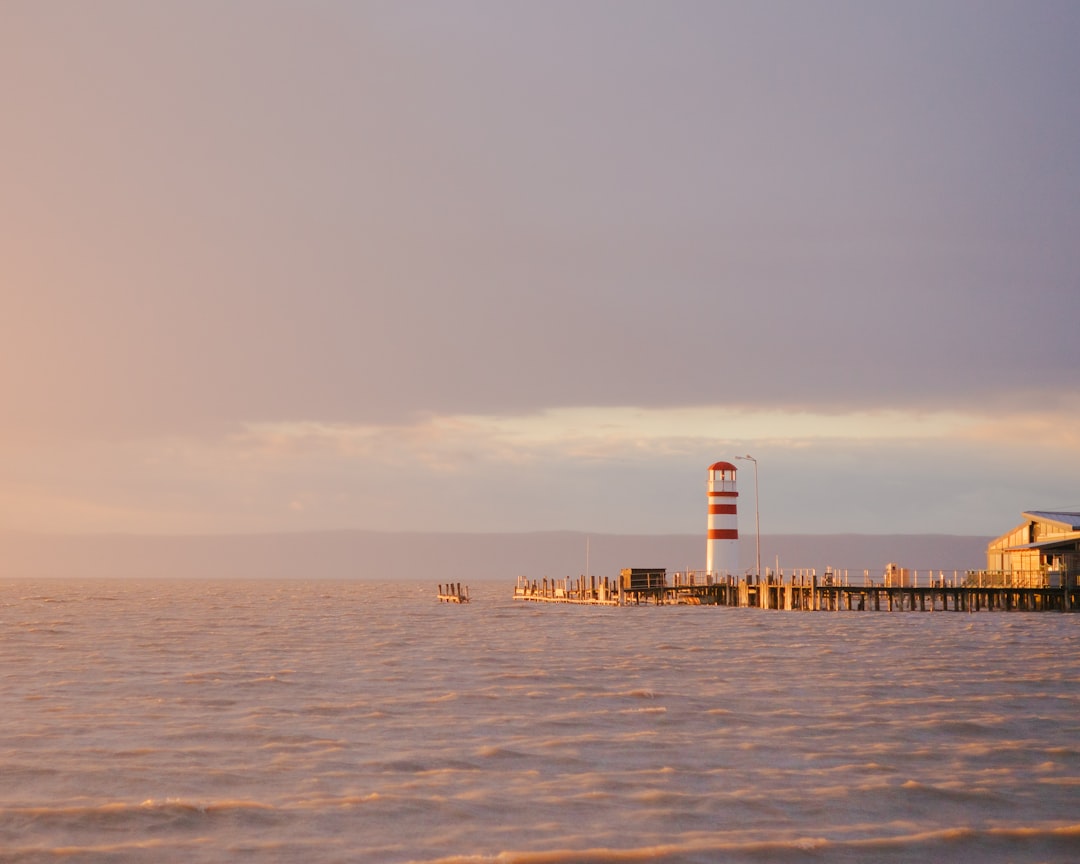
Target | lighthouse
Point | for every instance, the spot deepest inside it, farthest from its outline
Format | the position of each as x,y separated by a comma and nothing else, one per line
722,545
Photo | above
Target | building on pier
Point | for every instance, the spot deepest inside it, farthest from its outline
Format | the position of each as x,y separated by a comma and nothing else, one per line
1045,549
722,538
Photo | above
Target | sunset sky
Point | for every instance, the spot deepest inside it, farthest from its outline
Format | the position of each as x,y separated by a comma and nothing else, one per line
509,266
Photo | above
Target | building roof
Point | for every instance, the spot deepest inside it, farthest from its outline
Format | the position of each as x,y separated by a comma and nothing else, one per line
722,466
1063,542
1069,519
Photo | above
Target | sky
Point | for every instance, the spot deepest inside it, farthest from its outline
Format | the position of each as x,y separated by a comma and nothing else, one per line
521,266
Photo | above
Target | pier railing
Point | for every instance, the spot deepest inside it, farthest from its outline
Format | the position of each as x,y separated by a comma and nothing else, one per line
1042,578
832,590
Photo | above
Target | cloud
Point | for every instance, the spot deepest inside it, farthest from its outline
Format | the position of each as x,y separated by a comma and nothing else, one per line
406,266
370,216
623,470
1029,432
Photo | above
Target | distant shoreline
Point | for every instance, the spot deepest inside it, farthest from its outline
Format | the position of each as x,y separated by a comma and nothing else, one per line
438,556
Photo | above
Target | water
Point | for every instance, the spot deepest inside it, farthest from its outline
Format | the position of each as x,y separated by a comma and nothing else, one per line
184,721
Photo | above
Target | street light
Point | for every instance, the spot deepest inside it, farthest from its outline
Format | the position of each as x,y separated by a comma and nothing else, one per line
757,520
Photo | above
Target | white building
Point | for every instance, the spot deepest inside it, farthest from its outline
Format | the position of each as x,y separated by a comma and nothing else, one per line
1042,551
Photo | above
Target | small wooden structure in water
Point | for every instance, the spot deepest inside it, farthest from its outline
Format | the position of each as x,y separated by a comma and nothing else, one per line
805,591
453,593
594,593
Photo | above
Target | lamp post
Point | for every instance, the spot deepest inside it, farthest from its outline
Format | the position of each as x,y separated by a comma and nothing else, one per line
757,520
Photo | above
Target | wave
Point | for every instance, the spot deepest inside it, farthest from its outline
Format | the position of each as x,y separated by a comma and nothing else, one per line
67,830
114,811
958,844
1059,842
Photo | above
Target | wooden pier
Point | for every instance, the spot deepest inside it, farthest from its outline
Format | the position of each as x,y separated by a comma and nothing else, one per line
803,591
453,593
812,597
590,592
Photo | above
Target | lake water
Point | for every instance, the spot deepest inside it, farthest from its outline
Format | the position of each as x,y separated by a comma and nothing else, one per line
186,721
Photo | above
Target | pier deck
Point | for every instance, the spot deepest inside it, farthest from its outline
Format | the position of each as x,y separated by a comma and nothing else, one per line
805,593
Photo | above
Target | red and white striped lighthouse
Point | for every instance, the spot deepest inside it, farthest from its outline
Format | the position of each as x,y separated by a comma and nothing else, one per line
722,546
